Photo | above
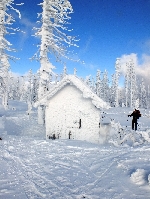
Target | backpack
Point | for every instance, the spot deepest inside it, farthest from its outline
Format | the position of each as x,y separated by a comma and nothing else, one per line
138,114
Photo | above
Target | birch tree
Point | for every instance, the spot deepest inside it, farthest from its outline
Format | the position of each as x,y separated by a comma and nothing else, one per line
6,28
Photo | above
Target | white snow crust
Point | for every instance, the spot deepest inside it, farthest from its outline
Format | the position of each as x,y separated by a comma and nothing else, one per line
32,167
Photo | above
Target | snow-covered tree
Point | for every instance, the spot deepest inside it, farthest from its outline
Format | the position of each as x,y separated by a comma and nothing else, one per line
137,103
116,82
148,97
130,85
18,91
113,90
54,37
143,95
54,40
126,87
23,96
98,83
105,87
6,22
88,80
29,92
35,88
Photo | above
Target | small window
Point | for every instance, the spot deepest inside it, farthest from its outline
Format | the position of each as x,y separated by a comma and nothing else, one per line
99,125
79,123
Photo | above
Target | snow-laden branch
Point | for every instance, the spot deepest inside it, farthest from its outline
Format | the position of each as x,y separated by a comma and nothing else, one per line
6,22
53,32
54,37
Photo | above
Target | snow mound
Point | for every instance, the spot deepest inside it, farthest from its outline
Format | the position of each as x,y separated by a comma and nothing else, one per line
119,136
139,177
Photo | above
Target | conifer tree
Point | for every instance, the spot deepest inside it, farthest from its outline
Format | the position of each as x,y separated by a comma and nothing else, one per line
126,87
35,88
54,37
54,41
148,97
105,87
88,80
130,85
23,89
29,92
116,82
143,95
112,90
6,22
98,83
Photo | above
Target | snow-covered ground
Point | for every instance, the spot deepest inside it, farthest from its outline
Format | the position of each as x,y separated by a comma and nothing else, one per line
35,168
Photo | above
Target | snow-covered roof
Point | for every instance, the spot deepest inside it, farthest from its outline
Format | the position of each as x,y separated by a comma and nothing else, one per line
78,83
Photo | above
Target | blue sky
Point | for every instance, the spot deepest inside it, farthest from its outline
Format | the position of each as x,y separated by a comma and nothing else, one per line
107,29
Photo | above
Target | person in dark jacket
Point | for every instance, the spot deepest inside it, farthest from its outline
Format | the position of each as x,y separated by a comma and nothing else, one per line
136,114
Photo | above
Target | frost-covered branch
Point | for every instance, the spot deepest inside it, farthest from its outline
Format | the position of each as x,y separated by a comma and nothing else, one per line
6,22
54,36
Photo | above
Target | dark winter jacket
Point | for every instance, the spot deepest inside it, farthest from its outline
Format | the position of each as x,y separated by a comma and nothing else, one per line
136,114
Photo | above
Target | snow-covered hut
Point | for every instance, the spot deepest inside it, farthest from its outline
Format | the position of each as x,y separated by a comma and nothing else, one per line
72,111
